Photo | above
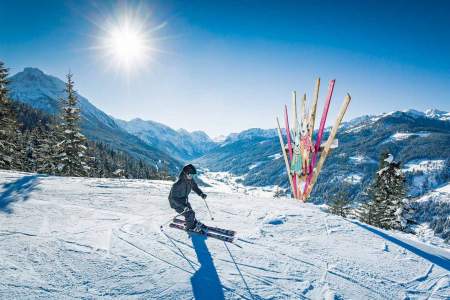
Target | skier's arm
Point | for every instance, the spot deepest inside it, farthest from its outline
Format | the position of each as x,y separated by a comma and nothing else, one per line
197,190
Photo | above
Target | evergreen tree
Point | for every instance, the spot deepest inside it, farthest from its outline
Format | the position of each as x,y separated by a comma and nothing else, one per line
9,158
366,213
71,146
46,151
27,154
340,205
387,193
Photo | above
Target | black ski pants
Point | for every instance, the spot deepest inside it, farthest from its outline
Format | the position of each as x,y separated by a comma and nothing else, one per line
189,216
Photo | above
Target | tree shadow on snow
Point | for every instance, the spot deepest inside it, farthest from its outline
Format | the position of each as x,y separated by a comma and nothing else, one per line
437,259
18,190
205,282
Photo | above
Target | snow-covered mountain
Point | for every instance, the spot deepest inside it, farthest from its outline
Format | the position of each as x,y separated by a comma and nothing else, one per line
91,238
428,215
421,140
44,92
249,134
182,144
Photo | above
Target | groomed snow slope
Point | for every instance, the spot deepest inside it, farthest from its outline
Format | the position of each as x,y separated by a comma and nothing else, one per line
65,238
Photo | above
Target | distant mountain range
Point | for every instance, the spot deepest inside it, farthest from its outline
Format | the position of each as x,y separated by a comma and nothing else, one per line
180,143
421,140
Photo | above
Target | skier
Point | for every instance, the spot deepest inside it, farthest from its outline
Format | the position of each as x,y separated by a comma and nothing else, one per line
178,197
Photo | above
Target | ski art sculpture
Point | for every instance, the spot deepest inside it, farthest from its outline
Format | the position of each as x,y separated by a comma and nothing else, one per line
303,155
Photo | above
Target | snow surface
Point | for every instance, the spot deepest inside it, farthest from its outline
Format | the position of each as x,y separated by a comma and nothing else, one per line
424,165
400,136
421,182
72,238
229,183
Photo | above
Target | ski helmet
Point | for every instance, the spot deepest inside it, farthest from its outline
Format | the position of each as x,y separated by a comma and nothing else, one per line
189,169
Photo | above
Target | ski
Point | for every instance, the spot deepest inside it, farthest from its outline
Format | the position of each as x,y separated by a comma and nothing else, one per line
222,231
320,132
290,149
224,238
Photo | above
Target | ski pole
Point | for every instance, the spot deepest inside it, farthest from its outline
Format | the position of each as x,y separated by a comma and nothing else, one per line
209,211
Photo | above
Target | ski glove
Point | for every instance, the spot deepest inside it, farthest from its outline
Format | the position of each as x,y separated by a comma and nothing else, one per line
204,196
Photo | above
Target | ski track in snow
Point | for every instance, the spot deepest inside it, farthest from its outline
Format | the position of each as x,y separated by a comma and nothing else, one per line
72,238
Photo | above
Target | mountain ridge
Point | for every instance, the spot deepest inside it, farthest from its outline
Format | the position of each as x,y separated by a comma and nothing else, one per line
180,143
42,91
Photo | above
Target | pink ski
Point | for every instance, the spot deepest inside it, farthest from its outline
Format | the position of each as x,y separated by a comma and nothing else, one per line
320,133
288,134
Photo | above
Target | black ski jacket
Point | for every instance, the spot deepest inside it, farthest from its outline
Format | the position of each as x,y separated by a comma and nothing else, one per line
178,196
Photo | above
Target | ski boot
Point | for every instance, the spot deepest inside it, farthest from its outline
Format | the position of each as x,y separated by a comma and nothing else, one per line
199,228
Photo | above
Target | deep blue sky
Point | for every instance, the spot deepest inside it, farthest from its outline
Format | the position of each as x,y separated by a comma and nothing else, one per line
231,65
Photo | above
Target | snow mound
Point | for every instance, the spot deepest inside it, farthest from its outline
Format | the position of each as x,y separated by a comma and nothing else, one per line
275,220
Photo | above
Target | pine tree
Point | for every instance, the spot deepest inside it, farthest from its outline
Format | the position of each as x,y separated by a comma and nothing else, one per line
366,213
27,154
46,151
71,146
9,158
387,193
340,205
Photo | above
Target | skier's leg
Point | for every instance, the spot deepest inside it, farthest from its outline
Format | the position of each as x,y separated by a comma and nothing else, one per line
189,216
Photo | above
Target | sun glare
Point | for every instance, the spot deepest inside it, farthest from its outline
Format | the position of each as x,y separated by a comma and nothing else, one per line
127,45
126,41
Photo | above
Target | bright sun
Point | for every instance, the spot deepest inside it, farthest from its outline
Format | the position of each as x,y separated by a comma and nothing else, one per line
126,42
127,45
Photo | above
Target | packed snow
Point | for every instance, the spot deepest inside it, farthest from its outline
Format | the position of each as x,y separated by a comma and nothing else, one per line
72,238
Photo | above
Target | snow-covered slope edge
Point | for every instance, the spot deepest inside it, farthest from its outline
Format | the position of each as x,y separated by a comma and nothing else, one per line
92,238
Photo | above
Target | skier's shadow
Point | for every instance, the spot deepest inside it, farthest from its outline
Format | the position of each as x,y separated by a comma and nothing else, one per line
16,191
205,282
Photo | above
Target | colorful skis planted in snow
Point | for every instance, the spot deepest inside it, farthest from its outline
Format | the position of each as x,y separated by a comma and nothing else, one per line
302,180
